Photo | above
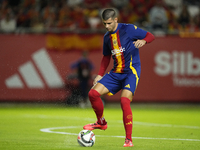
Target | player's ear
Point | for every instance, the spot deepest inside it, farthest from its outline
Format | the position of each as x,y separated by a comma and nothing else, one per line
116,19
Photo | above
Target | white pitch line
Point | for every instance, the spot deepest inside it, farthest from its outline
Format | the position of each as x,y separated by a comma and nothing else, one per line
49,130
165,125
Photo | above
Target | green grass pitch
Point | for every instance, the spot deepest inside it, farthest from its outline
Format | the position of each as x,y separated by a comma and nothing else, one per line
55,127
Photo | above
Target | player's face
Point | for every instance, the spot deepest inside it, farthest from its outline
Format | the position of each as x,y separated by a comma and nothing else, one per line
110,24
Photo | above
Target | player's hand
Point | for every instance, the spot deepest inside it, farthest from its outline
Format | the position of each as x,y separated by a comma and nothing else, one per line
98,77
139,43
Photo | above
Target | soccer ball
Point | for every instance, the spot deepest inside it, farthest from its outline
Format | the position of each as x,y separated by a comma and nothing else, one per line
86,138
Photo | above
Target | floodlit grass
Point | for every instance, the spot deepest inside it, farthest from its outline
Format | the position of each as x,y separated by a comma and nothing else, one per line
156,127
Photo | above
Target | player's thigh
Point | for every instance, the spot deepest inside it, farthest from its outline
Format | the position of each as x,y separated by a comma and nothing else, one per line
100,88
130,83
127,93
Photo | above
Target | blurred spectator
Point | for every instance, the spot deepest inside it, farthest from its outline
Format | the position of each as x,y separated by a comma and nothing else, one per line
85,14
184,18
27,10
158,16
104,3
127,15
141,9
94,19
91,4
22,18
173,26
72,3
8,24
50,21
37,25
65,19
49,14
83,69
175,6
142,14
33,13
197,19
48,11
120,4
192,26
84,23
77,16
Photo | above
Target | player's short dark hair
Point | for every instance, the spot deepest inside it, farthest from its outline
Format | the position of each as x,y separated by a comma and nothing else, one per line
108,13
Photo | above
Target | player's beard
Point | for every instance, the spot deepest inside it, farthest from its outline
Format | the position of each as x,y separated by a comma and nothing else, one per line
112,28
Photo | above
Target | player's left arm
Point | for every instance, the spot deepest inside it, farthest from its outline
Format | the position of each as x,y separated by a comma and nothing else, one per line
141,42
138,35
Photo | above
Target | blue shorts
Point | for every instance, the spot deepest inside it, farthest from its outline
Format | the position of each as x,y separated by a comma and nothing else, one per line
117,81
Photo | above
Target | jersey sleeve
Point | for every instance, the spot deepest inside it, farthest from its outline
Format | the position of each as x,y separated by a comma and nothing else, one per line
104,64
134,32
149,37
106,50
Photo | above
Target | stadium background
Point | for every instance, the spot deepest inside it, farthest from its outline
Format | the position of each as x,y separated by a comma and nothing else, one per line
36,57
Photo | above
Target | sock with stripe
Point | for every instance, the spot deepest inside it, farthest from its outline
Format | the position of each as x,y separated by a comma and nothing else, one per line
97,106
127,116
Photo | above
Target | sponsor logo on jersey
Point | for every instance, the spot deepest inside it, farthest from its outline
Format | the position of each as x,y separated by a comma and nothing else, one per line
117,51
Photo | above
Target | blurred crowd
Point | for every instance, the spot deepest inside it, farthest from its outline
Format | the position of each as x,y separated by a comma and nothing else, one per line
169,16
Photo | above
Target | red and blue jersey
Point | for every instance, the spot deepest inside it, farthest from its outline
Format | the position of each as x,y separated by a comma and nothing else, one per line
120,45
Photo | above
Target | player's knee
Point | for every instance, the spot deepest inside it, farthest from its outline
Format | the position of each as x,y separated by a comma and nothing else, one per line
93,94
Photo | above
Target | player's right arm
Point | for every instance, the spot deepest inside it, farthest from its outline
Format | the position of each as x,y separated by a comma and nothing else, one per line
104,65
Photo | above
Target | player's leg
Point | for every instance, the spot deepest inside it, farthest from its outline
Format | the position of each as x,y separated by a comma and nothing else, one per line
108,84
96,102
98,107
126,97
128,90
